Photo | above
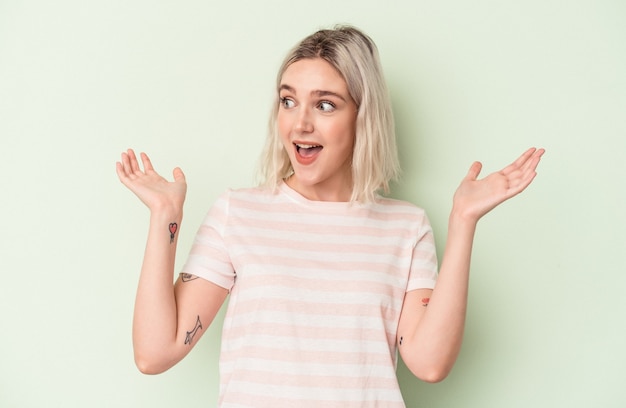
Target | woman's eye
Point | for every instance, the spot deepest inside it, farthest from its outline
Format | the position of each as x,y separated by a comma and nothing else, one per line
326,106
287,103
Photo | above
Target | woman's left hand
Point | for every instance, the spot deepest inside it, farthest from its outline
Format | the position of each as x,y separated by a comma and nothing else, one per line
475,198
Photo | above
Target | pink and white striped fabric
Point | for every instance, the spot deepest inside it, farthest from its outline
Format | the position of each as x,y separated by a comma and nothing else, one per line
316,290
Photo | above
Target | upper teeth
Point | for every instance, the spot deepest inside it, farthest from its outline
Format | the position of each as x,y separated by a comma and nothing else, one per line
305,146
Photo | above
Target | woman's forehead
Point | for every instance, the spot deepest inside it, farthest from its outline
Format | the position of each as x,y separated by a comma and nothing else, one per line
313,75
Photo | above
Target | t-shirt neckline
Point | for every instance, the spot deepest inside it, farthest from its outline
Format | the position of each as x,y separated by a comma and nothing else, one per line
300,199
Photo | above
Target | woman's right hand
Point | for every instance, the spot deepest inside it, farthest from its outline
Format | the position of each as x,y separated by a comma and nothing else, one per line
153,190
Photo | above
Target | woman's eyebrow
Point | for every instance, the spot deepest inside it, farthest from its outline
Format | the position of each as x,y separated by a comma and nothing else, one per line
286,88
329,93
318,93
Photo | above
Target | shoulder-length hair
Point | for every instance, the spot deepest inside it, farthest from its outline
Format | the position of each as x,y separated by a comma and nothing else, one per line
375,158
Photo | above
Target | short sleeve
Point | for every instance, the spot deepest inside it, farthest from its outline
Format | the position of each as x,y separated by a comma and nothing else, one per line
423,272
209,258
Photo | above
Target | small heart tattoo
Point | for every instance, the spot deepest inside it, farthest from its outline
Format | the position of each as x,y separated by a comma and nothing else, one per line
173,229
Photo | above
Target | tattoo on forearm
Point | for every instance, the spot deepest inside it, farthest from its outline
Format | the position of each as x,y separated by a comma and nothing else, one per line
186,277
425,302
192,334
173,229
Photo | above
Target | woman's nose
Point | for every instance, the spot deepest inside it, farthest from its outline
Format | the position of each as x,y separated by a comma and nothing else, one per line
304,123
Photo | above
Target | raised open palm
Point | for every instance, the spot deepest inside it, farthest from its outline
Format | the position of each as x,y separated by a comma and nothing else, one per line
475,198
151,188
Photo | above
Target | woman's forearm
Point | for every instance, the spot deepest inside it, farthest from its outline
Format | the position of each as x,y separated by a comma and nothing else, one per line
448,305
431,346
155,316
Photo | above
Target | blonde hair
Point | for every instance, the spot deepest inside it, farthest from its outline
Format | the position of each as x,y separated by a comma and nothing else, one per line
355,56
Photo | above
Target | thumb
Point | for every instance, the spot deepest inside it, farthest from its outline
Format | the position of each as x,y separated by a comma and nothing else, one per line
474,171
178,174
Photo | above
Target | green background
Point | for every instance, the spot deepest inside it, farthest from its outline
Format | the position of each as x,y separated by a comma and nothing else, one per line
191,84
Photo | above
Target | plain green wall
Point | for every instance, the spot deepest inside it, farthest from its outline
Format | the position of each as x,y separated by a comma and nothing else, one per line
191,83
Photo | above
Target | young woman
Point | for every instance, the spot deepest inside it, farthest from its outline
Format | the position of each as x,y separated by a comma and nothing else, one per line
327,279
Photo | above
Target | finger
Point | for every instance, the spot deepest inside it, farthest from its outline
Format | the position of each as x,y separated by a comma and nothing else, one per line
119,169
519,162
474,171
122,174
134,164
126,164
535,158
530,166
147,164
528,174
123,167
178,174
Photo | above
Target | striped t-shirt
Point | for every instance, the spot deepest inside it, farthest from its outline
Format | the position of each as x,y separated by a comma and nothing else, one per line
316,290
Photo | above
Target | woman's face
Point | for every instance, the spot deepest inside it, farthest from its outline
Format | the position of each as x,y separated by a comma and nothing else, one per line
317,121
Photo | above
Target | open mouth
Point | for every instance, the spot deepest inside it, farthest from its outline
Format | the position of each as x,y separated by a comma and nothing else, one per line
307,150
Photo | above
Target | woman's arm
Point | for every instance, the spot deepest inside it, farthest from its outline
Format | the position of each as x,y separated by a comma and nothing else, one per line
168,319
431,325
